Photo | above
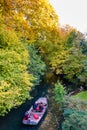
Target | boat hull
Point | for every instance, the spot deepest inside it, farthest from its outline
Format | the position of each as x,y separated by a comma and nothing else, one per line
34,116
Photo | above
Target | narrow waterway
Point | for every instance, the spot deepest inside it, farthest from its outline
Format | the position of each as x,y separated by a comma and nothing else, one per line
13,120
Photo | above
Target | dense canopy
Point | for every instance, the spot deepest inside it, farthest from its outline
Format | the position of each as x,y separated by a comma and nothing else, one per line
34,47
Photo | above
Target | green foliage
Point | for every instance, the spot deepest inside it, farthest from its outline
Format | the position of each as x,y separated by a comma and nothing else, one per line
81,95
76,121
58,58
15,82
72,67
36,66
84,46
70,38
68,58
59,93
29,21
75,115
64,52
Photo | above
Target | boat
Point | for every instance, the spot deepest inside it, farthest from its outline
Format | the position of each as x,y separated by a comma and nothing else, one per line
33,116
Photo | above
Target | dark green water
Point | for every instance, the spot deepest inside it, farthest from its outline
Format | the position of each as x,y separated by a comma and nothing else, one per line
12,121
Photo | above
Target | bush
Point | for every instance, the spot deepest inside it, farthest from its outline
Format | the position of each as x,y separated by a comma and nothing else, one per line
75,115
59,93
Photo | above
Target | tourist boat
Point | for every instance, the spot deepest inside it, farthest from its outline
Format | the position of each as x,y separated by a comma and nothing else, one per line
33,116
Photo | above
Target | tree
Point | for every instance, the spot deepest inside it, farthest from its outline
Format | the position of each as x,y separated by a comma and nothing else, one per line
75,114
15,81
22,22
30,18
68,59
61,50
74,67
59,93
36,66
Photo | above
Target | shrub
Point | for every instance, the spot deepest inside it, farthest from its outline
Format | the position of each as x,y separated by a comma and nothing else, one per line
75,115
59,93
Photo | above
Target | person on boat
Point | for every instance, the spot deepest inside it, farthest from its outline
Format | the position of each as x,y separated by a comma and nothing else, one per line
27,116
35,106
40,107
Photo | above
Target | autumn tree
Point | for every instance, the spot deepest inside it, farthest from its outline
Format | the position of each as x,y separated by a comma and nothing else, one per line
33,19
69,60
15,81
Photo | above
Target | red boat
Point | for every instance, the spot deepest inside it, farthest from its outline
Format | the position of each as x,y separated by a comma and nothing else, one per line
34,115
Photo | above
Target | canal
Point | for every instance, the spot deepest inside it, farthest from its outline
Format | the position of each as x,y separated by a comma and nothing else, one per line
13,120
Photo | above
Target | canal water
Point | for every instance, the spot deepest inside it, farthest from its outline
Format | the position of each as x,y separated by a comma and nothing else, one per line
13,120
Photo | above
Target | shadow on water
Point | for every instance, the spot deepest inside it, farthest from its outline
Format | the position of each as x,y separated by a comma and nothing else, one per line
13,120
